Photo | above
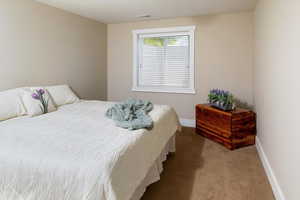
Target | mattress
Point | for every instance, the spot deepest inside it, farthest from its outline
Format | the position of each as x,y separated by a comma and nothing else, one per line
76,153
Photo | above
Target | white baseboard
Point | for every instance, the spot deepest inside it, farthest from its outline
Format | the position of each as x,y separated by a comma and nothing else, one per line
188,122
269,171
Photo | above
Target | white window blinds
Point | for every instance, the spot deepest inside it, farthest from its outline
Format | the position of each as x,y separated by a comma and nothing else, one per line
164,62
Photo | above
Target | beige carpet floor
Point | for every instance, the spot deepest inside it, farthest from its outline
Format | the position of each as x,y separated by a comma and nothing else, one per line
204,170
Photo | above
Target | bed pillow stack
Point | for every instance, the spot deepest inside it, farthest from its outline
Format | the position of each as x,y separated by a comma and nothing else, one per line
11,105
33,105
54,95
18,102
62,95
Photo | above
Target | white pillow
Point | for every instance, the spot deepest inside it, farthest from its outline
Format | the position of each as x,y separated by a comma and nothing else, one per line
11,105
34,106
62,94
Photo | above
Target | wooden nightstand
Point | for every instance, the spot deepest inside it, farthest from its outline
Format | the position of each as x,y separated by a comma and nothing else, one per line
234,129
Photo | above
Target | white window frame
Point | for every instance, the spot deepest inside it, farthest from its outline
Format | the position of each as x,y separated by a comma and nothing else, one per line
159,32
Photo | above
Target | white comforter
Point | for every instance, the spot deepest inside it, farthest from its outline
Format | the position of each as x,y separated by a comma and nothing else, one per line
76,153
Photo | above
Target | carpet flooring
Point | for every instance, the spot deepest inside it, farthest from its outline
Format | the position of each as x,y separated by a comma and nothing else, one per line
204,170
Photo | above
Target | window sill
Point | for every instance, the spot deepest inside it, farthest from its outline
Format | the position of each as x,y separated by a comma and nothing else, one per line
156,90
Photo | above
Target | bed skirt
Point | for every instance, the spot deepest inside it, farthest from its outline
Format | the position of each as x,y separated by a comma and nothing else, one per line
155,171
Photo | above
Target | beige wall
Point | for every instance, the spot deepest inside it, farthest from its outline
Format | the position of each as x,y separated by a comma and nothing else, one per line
277,90
41,45
224,59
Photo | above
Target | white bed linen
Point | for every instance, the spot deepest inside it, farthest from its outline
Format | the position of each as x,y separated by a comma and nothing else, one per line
155,171
76,153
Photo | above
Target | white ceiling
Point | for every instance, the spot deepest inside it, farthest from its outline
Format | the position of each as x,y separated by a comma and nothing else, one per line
116,11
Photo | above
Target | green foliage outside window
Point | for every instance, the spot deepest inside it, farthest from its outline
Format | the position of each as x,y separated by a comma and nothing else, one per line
159,41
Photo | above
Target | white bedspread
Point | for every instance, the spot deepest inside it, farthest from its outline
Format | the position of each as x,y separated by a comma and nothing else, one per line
76,153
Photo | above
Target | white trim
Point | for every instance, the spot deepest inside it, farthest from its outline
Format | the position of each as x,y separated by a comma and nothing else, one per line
164,90
164,30
187,122
180,30
163,34
135,60
192,57
269,171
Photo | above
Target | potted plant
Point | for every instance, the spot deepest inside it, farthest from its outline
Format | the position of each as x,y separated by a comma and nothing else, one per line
221,99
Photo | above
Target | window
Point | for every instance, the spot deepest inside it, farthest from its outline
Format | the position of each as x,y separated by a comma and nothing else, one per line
164,60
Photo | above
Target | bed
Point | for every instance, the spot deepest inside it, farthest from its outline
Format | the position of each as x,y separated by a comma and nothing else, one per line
76,153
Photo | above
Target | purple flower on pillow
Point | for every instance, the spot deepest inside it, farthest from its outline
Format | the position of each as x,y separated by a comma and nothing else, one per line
39,95
41,91
35,96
